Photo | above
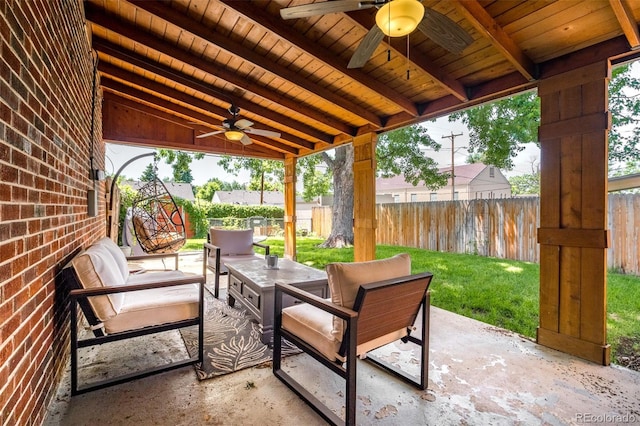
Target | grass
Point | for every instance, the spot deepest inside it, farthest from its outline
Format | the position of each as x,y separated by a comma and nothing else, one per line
504,293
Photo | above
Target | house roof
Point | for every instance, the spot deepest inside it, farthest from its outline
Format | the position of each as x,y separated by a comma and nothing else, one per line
464,174
251,198
181,190
169,71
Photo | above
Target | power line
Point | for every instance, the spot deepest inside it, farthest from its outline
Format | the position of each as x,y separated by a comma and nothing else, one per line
453,152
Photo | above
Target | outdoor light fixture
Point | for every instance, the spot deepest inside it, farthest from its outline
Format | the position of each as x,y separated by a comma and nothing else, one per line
234,135
399,17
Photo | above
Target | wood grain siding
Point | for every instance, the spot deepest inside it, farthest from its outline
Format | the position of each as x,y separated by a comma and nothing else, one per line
573,212
364,197
290,208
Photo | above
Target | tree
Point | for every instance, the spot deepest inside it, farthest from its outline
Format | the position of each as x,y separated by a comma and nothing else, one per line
498,131
206,191
148,174
398,152
528,184
263,174
180,163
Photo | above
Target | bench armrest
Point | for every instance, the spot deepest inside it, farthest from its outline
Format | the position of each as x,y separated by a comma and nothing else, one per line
99,291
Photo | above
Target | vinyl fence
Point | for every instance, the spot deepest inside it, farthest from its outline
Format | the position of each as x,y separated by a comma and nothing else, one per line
503,228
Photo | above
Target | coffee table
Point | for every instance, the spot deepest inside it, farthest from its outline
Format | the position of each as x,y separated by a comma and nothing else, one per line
253,286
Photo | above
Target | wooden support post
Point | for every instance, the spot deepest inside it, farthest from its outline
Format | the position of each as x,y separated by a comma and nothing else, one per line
573,239
364,197
290,208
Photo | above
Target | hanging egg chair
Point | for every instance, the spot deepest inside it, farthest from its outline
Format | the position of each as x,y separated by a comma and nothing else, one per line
157,222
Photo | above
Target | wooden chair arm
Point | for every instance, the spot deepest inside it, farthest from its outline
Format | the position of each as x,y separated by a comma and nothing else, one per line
99,291
318,302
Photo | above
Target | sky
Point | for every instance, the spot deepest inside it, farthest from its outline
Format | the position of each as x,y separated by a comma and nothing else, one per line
207,168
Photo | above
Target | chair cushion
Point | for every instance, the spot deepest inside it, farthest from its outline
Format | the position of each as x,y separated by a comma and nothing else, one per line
232,241
96,267
345,278
314,326
154,307
117,255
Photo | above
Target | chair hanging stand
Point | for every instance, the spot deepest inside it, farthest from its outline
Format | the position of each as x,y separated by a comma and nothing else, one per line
157,222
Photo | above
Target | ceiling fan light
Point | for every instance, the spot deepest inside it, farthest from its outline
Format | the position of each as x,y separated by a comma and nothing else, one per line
233,135
399,17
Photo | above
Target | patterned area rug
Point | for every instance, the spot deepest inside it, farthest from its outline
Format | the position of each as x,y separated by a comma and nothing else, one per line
231,341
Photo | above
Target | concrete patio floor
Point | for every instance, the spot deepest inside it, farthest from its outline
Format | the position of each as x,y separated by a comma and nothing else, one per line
478,375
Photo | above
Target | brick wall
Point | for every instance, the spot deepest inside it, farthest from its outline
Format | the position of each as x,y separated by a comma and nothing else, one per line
46,69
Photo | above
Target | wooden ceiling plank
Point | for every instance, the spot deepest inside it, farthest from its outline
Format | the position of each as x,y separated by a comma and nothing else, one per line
185,98
234,48
294,37
486,25
627,22
98,18
168,73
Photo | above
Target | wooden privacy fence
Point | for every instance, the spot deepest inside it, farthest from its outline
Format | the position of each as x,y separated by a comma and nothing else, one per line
503,228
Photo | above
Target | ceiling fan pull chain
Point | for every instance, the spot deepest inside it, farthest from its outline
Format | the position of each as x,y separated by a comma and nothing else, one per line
408,57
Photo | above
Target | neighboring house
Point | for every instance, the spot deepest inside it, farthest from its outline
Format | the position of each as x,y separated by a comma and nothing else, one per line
471,181
182,190
248,198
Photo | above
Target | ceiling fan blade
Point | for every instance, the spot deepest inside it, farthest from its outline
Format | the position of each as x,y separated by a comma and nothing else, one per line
243,124
444,31
366,47
209,134
245,140
313,9
267,133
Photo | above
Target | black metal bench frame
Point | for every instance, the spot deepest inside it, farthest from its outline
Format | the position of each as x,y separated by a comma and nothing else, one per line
78,297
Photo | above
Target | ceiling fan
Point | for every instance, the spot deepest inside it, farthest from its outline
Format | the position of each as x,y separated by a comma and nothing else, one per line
395,18
236,130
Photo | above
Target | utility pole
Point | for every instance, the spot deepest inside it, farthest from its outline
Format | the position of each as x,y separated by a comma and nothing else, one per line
453,173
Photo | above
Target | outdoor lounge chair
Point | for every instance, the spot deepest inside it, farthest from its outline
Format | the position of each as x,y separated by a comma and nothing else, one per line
118,305
224,245
363,315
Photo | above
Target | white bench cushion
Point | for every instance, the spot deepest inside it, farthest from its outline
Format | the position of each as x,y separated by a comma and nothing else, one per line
154,307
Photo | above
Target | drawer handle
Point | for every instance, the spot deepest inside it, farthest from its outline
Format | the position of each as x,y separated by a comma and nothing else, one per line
250,297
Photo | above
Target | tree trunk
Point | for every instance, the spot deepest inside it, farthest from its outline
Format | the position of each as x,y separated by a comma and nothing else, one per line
342,215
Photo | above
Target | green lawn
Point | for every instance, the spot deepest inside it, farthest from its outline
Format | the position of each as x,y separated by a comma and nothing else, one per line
496,291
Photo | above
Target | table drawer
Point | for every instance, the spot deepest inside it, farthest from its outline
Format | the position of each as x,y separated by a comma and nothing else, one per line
235,283
251,296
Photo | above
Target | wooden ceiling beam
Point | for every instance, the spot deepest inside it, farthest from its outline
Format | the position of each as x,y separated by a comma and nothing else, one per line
136,80
627,22
291,36
98,17
144,63
231,47
477,15
366,20
120,134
